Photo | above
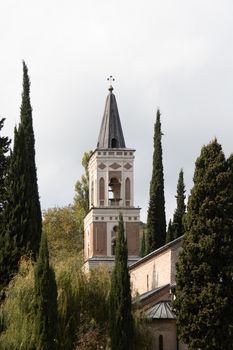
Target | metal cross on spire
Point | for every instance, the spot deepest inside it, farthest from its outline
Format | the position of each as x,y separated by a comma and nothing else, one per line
111,80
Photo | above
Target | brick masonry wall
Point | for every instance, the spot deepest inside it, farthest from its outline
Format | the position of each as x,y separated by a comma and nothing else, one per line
99,238
132,233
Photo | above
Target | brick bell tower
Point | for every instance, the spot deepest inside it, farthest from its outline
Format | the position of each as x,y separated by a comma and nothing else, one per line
111,191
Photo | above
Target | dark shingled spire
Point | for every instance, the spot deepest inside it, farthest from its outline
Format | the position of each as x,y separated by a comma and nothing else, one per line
111,134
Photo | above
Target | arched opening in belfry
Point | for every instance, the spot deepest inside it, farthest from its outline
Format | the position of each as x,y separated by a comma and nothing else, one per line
114,143
113,240
114,191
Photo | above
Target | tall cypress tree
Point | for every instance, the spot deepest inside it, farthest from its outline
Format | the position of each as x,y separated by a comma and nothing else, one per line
22,217
25,222
120,316
45,301
178,225
156,219
25,131
170,233
204,295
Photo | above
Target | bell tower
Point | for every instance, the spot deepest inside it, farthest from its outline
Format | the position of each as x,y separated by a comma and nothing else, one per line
111,192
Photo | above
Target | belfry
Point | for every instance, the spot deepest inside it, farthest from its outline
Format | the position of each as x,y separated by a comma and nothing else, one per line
111,192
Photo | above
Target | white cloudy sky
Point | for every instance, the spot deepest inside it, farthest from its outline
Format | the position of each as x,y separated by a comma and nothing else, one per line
172,54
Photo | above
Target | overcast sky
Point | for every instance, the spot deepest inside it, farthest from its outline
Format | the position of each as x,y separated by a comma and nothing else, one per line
171,54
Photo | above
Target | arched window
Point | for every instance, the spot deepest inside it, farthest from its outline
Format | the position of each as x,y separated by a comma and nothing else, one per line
114,143
160,342
127,192
101,191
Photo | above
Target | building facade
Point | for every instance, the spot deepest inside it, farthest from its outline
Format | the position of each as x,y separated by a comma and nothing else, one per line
156,269
111,192
153,283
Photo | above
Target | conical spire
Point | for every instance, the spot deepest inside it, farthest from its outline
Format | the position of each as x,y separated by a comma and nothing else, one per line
111,134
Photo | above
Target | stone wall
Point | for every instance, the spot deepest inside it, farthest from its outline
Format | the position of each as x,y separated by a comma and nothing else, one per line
151,273
167,330
156,269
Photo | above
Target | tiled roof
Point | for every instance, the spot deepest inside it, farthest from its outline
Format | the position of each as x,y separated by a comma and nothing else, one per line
161,310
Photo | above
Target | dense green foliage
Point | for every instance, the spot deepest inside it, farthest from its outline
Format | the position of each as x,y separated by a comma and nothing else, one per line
22,216
69,277
204,294
156,219
120,315
143,335
81,198
92,333
4,159
15,215
45,301
17,312
82,307
63,233
64,225
178,225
